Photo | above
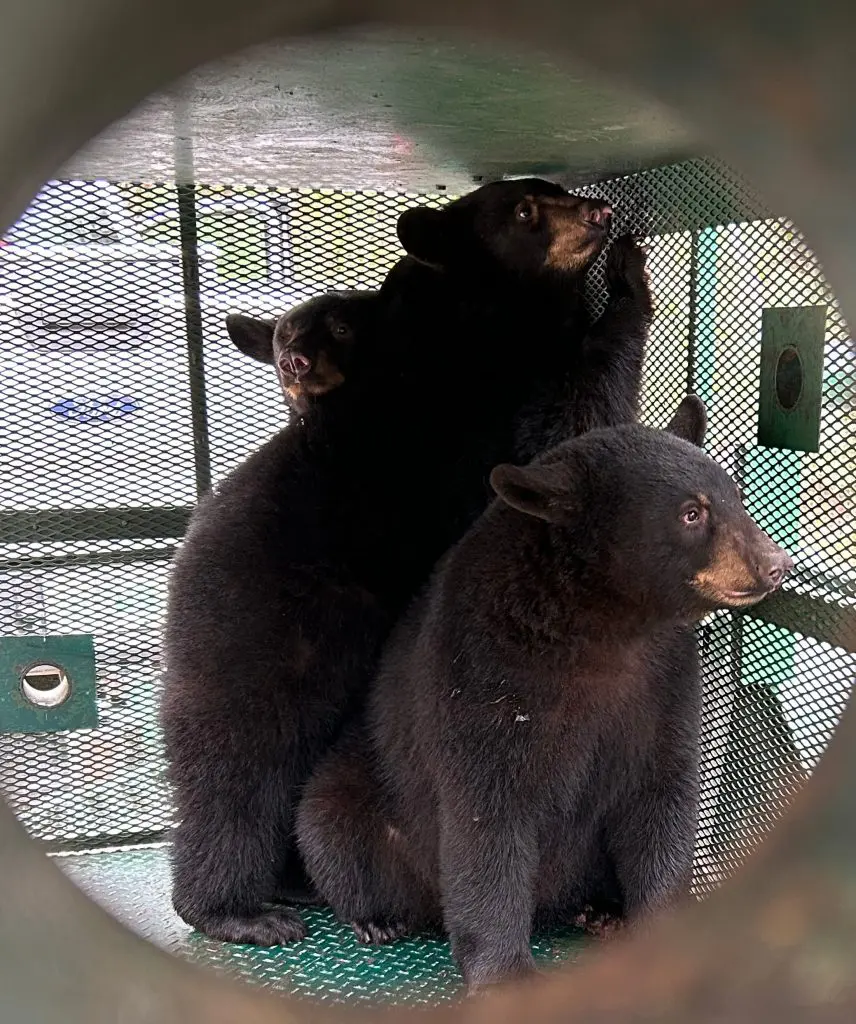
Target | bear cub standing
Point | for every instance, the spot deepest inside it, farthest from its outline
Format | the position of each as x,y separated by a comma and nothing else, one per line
490,299
532,742
271,628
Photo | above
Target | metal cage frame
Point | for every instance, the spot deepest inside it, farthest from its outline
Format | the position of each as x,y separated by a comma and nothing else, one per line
788,958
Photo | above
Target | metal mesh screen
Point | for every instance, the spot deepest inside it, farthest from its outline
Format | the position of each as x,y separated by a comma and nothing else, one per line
773,692
123,398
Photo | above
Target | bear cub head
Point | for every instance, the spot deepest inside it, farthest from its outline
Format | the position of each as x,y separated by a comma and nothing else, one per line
314,347
650,518
521,228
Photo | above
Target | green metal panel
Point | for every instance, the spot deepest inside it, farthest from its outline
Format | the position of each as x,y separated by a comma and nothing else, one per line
72,685
792,346
329,965
774,474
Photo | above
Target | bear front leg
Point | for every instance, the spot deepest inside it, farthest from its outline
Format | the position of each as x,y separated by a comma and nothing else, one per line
610,374
653,833
608,378
653,851
488,865
594,380
630,307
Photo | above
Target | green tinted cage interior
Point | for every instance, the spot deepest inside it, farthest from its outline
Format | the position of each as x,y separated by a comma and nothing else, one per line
114,420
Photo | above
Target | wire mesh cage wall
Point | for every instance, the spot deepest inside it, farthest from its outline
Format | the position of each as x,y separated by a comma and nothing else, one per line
123,400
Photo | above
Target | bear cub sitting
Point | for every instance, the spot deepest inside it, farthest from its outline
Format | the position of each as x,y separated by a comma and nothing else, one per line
531,747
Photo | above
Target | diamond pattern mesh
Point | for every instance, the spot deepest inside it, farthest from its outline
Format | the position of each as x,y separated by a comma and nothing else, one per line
123,399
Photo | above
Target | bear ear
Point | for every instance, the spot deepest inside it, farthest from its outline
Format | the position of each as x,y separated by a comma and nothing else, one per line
426,235
253,337
690,421
540,491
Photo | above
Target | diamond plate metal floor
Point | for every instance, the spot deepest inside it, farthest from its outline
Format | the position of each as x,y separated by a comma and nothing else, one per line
330,966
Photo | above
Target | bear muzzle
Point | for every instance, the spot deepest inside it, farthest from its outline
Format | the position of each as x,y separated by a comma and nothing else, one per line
746,566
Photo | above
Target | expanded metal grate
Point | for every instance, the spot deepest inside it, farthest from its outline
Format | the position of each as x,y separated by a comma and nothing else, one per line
123,399
773,692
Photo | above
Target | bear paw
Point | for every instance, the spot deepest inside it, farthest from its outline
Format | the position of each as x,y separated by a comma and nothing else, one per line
275,927
481,980
376,933
626,273
600,924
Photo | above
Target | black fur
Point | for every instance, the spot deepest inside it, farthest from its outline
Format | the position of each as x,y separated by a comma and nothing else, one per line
273,626
531,747
594,378
294,570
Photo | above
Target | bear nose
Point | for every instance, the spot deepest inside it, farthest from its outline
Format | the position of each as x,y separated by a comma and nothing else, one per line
774,569
299,364
597,213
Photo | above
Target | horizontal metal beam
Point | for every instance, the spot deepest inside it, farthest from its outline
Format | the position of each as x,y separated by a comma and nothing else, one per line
75,525
125,556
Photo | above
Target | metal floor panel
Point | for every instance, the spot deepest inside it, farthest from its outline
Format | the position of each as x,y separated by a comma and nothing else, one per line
329,966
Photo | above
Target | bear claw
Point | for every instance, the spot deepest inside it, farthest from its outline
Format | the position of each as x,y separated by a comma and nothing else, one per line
375,933
598,924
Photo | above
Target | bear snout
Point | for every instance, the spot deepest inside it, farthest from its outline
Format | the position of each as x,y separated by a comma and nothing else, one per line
578,232
744,567
773,566
298,364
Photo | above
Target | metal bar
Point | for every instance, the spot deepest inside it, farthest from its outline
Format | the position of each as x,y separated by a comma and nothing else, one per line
162,553
68,526
737,619
704,354
834,624
193,328
692,339
97,844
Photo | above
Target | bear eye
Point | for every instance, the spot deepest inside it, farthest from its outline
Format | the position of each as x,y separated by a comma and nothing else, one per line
525,212
341,330
692,515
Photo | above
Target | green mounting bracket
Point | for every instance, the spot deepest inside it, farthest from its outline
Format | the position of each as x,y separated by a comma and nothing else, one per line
47,683
792,344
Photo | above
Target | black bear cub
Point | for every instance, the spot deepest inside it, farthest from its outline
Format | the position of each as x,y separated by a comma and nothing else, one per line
311,348
270,627
532,742
490,299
